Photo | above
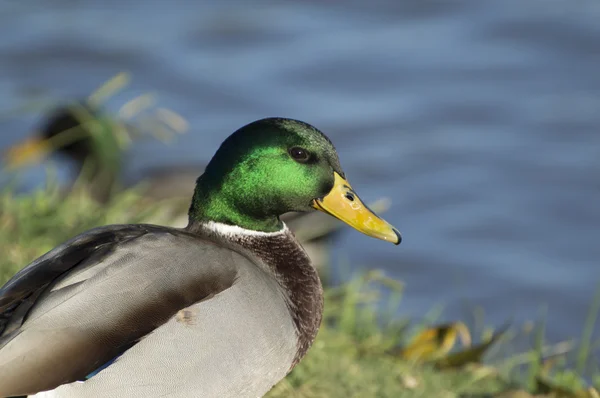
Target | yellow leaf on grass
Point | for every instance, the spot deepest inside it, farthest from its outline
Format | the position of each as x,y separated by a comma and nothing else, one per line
435,342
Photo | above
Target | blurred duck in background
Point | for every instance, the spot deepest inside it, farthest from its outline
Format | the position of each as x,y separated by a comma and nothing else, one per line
86,137
96,142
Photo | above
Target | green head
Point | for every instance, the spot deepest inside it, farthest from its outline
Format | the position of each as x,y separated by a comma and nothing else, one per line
271,167
83,134
265,169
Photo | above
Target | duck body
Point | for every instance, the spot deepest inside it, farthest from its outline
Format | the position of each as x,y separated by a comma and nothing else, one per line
196,320
224,307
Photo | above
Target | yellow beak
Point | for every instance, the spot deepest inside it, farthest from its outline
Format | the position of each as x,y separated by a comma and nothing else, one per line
27,152
343,203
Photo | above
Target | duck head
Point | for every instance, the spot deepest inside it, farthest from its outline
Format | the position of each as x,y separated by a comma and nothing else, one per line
63,131
274,166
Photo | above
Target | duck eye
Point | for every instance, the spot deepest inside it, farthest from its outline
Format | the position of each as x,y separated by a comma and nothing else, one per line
299,154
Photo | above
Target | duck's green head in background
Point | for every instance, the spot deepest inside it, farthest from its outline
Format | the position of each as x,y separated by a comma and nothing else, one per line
274,166
76,130
85,136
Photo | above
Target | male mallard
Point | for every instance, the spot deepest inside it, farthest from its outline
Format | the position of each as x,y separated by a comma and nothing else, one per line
85,135
224,307
92,141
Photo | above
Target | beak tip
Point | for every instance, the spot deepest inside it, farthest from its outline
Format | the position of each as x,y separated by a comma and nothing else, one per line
398,235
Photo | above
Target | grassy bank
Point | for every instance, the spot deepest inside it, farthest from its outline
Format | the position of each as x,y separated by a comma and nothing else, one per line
356,353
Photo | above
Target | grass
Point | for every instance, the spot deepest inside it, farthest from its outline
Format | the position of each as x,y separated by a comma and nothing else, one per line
351,356
31,225
354,353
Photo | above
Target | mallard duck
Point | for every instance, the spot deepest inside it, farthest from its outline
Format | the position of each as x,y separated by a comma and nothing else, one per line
84,134
224,307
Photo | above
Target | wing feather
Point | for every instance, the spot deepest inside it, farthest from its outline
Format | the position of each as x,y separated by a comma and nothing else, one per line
97,295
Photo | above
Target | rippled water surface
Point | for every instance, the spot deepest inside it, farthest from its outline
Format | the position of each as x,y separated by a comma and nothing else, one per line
479,119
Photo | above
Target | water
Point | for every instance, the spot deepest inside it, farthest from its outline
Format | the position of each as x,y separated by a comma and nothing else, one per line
479,119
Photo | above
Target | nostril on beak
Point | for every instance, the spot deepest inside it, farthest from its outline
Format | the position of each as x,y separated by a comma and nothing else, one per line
350,197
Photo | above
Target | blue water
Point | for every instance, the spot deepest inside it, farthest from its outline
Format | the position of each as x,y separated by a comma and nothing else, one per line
480,119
